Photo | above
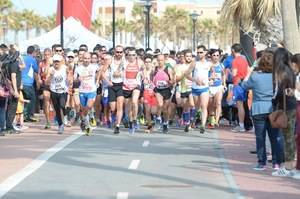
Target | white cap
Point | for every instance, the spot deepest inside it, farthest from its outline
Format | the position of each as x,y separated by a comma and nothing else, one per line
165,51
57,57
70,54
150,52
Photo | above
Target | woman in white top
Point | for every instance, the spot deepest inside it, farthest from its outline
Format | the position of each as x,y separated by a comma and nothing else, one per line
58,80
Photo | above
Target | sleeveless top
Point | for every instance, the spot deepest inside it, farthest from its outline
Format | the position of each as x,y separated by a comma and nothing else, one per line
131,79
161,78
200,72
58,82
87,75
113,68
216,72
148,84
185,85
42,71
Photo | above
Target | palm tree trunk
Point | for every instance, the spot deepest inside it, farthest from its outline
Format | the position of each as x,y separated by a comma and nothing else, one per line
247,44
16,37
27,33
289,21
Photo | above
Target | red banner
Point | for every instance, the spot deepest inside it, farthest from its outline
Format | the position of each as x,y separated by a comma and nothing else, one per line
79,9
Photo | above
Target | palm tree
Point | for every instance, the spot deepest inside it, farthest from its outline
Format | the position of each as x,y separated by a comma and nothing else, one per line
50,22
96,26
15,24
246,16
121,26
174,24
208,28
5,7
290,27
29,18
137,25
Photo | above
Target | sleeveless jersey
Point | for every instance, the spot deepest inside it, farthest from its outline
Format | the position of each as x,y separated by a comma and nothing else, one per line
58,82
201,73
185,85
113,68
131,79
87,76
161,78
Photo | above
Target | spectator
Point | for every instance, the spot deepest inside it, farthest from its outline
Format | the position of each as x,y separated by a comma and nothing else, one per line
284,82
260,81
29,74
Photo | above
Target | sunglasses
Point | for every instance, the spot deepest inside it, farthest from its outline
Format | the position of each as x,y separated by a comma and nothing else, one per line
58,50
131,54
70,57
200,52
119,52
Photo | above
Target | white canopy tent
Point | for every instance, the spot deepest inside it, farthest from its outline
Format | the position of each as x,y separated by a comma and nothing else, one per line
74,35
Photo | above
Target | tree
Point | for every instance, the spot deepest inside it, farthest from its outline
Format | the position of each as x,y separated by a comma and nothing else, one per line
121,27
96,26
174,25
29,18
290,27
15,24
137,25
5,7
246,16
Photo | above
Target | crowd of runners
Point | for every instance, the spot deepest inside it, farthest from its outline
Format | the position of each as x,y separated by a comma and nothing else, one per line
153,90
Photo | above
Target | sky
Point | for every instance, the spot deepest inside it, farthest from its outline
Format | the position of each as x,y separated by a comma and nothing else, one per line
48,7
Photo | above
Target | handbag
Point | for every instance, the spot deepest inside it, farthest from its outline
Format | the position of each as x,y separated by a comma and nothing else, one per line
278,118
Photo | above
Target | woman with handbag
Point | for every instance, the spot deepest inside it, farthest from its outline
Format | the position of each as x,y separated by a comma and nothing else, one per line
284,99
260,82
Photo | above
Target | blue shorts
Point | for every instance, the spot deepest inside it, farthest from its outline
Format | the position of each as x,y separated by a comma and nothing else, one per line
198,92
85,97
239,94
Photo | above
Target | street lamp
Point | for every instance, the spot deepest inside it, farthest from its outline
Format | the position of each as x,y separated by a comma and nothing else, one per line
194,15
114,23
147,7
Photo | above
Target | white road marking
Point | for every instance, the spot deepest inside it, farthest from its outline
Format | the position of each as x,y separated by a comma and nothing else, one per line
134,164
146,143
15,179
122,195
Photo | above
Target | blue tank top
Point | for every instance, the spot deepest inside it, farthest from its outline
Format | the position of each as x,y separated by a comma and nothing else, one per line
216,72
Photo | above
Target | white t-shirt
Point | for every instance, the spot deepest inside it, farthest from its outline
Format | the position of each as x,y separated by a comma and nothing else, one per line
58,82
87,76
201,72
297,93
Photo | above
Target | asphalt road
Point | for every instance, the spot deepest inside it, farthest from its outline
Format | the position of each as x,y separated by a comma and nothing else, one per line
140,166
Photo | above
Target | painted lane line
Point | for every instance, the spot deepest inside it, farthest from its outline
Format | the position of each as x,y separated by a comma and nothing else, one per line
226,170
122,195
17,178
146,143
134,164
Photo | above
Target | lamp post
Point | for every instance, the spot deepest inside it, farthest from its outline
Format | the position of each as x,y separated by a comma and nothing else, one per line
147,8
114,23
194,15
62,23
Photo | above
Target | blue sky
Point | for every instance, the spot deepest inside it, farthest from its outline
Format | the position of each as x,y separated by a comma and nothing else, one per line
48,7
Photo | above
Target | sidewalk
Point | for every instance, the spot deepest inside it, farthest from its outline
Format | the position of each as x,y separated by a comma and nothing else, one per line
18,150
254,184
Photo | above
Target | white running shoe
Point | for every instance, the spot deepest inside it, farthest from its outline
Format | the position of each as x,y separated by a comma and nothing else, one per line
238,129
282,172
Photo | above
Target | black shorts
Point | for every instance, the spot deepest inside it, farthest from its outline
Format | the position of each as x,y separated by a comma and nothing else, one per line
166,93
128,93
115,91
185,95
45,87
99,90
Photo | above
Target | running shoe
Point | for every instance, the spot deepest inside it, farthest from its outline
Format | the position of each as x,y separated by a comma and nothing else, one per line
259,167
165,128
117,130
282,172
61,129
48,126
93,122
276,167
131,130
238,129
157,124
187,128
202,129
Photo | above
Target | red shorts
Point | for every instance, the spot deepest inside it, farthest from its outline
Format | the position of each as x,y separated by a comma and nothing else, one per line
150,98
